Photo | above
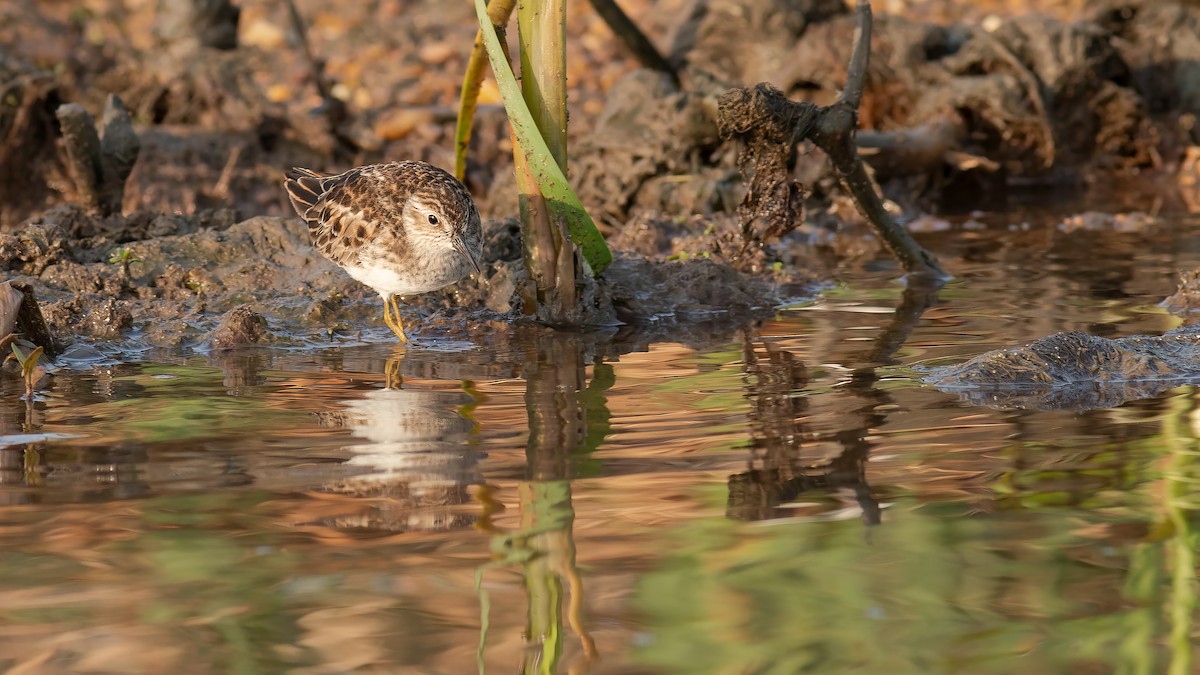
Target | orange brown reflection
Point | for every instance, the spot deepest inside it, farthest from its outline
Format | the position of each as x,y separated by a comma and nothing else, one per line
776,379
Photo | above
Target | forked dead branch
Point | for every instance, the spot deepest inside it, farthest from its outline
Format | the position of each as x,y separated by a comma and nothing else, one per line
771,126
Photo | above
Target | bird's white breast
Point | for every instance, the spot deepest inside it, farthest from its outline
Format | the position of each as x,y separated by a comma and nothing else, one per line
387,282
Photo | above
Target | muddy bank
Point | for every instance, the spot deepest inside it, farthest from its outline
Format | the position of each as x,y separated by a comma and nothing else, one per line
207,282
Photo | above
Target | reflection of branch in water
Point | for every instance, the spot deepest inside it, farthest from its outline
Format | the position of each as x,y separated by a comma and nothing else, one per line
918,296
774,384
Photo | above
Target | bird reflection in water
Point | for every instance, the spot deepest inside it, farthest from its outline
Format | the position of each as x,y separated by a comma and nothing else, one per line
416,456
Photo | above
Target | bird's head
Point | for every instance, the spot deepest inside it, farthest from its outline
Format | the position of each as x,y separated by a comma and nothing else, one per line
441,214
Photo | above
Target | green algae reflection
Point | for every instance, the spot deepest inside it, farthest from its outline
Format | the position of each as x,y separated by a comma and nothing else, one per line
1033,585
171,403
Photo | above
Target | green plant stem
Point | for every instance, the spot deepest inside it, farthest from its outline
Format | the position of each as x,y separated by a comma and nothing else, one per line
538,160
542,33
553,182
549,253
499,12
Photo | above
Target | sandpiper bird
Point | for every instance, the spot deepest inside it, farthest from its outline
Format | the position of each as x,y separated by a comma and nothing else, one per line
401,228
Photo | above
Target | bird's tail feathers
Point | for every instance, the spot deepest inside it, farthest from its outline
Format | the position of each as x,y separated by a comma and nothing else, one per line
304,190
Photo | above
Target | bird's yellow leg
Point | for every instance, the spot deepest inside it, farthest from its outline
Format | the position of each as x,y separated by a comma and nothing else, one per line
387,313
391,316
398,327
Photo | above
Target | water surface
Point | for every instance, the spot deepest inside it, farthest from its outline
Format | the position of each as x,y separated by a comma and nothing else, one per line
786,498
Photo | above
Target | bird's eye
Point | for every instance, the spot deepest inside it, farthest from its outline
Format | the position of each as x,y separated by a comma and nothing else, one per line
433,219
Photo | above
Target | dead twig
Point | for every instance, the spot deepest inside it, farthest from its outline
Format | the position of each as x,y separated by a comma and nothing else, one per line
637,42
221,190
335,110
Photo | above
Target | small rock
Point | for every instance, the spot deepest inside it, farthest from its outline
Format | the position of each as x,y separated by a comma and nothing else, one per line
241,326
437,53
264,34
402,122
107,320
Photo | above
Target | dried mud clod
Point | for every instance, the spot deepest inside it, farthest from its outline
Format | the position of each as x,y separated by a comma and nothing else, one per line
648,128
33,248
99,159
769,127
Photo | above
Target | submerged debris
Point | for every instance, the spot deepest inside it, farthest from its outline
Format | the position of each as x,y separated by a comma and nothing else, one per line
1076,370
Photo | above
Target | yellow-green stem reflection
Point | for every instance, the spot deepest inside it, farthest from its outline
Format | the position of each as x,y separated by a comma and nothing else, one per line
566,421
1181,478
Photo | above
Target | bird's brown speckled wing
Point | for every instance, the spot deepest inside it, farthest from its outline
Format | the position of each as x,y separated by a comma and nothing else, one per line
339,209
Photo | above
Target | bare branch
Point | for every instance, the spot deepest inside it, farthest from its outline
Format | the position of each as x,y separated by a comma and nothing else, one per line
637,42
860,58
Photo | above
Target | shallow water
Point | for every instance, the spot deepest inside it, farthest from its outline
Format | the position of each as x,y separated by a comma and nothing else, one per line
790,498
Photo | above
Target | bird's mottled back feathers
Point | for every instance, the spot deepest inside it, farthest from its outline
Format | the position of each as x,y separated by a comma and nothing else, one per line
344,211
360,213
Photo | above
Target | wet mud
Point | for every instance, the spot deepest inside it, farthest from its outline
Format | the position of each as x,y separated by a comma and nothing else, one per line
260,280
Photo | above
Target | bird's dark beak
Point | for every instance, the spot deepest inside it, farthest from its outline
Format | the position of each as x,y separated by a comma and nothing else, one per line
461,246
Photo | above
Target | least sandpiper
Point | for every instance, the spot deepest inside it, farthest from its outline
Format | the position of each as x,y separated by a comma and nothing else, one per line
401,228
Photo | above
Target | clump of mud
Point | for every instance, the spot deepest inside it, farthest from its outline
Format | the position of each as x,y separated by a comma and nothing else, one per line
1076,370
240,327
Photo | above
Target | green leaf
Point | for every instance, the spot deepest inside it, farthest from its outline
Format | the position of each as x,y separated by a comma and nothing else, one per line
31,361
561,199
